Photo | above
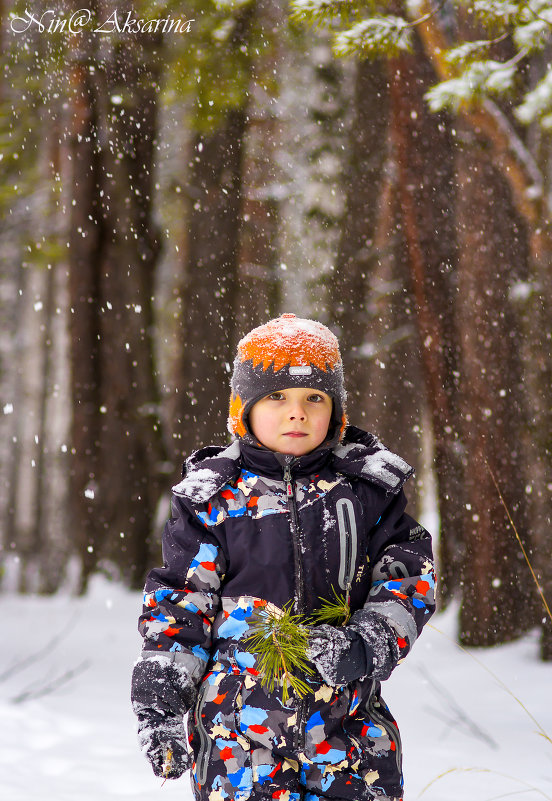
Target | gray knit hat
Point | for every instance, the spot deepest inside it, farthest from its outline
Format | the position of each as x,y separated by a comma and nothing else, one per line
286,352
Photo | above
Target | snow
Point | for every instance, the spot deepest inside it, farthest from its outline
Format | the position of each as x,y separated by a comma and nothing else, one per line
465,734
290,340
199,483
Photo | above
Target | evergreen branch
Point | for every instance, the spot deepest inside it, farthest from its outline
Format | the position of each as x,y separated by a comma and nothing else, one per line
498,14
333,613
318,12
375,37
279,638
468,51
428,15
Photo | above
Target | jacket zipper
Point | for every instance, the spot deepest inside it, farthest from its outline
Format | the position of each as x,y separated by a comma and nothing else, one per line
292,505
299,736
348,545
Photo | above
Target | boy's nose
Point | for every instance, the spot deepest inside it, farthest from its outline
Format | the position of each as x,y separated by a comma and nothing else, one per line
297,413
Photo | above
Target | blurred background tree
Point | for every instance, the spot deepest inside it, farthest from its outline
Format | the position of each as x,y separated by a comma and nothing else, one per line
382,168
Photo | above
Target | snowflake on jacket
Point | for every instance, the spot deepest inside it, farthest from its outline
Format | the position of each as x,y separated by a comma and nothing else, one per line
242,538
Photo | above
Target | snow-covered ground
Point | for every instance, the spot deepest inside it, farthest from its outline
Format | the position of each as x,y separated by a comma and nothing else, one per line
466,735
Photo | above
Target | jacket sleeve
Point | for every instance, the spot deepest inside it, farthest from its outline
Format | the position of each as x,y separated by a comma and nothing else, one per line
401,600
402,596
182,598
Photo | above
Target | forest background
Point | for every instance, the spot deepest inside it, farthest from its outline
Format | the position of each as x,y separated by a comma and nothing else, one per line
382,167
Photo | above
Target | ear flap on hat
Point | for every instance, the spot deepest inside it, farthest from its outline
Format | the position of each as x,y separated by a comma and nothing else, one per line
236,423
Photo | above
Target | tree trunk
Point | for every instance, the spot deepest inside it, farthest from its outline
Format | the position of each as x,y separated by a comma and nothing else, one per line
535,300
357,255
211,270
424,155
530,196
395,401
315,108
259,273
211,283
259,283
117,450
84,300
498,598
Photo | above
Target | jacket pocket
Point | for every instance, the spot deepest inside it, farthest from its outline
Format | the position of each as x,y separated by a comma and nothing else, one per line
348,543
215,709
375,736
380,715
202,759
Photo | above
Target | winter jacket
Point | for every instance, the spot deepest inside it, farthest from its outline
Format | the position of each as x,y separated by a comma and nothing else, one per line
252,529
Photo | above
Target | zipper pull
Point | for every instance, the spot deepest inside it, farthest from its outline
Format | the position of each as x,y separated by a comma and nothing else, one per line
287,479
348,594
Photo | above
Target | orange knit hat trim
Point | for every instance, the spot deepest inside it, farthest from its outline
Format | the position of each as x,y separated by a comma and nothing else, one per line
282,344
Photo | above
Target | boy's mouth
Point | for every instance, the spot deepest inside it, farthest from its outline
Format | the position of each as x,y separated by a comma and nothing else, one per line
295,434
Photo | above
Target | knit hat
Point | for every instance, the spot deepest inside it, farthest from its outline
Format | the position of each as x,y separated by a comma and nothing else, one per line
286,352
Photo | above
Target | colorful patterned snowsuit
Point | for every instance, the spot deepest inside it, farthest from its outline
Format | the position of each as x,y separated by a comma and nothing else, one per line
241,538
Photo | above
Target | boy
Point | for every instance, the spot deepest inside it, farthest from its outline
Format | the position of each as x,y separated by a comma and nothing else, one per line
300,506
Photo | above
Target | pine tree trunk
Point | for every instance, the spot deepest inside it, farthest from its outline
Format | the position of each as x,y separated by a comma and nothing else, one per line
118,453
498,599
424,156
537,356
211,271
357,256
259,273
14,289
395,402
211,283
84,299
258,258
315,108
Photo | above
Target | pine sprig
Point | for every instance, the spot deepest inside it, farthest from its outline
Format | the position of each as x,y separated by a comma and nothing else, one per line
279,638
375,37
333,613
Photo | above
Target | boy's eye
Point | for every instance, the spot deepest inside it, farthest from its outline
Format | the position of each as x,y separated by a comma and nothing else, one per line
276,396
315,398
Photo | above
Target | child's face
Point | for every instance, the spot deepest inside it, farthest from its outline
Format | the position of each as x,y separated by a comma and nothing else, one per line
293,421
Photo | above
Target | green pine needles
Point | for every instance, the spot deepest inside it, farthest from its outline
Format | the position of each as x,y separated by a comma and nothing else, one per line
332,613
279,639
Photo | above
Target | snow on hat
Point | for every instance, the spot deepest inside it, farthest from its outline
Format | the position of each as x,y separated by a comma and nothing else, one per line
286,352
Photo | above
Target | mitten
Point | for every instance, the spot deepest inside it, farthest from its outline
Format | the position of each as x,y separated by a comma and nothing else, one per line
365,647
163,742
162,692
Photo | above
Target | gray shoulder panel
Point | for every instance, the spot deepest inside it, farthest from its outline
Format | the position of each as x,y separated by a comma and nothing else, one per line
374,463
204,479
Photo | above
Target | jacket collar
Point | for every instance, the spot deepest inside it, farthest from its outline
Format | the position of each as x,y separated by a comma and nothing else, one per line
207,470
360,455
272,464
